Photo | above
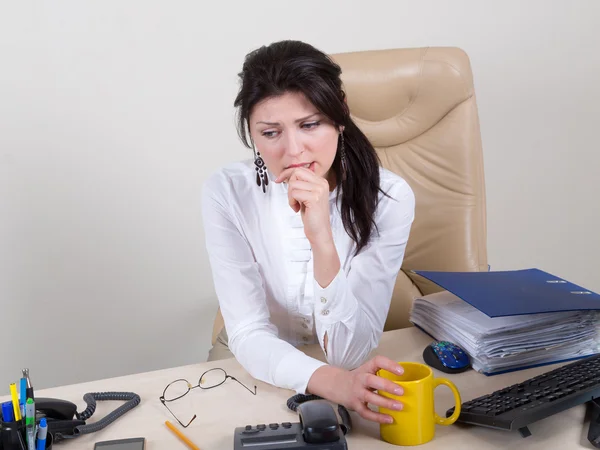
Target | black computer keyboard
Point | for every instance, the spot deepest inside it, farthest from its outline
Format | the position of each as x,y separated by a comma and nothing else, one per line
516,406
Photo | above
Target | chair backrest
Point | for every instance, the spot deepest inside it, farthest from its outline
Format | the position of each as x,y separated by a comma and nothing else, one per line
417,107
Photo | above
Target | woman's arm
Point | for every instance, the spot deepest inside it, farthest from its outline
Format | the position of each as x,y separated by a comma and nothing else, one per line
351,309
351,303
252,337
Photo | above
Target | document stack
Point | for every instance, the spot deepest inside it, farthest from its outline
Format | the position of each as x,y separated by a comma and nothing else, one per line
509,342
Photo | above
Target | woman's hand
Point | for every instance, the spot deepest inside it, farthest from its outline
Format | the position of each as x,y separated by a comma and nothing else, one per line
309,194
355,389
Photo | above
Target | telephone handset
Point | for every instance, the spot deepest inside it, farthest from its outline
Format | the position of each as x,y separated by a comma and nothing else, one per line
318,422
318,429
54,408
60,416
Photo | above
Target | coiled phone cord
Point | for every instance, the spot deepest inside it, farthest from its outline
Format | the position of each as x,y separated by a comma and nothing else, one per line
131,399
298,399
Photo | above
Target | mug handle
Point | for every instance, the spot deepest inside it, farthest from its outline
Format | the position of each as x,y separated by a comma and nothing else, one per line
449,420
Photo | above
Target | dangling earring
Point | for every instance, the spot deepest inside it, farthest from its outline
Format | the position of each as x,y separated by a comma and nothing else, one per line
262,178
343,156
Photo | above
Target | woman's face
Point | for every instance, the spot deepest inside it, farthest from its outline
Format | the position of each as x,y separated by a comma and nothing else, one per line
289,131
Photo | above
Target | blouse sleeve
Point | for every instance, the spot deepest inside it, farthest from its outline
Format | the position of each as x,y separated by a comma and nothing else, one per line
253,338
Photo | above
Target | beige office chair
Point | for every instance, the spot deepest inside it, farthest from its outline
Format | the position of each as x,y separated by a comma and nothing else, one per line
417,107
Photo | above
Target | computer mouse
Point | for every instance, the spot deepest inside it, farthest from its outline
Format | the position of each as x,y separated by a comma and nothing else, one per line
446,357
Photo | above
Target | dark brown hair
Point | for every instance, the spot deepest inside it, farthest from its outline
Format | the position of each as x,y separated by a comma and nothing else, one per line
294,66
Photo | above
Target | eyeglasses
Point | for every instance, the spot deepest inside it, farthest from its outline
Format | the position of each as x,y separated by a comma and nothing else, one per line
208,380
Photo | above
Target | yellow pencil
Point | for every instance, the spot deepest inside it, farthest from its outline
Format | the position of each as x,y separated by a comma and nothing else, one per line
15,401
181,436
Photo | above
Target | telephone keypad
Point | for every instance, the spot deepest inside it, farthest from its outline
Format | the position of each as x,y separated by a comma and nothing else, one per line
263,427
288,435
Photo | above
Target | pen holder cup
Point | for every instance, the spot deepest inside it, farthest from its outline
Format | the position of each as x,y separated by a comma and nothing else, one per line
13,436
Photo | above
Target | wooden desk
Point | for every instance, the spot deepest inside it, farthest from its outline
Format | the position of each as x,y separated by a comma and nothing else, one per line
221,409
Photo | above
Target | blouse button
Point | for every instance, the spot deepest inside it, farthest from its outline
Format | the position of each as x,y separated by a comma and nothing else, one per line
304,326
305,339
323,300
325,312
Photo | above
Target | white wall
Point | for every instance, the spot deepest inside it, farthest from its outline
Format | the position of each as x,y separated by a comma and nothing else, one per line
112,113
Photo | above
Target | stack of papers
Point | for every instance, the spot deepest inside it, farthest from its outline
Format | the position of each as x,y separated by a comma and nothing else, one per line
507,343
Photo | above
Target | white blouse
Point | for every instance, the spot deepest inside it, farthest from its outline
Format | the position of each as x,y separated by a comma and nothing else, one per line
262,269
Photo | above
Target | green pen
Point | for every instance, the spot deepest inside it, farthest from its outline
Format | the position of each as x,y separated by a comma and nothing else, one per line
30,423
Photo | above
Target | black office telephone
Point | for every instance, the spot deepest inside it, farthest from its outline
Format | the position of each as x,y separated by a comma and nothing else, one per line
318,429
64,422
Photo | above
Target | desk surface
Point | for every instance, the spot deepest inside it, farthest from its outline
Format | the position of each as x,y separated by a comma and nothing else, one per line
221,409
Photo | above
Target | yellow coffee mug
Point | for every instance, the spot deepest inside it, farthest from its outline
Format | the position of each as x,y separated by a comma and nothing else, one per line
415,423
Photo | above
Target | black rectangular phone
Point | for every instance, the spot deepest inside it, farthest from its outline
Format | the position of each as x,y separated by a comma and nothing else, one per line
122,444
318,429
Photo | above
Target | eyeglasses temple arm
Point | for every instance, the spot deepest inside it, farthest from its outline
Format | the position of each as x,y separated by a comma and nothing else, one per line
163,401
246,387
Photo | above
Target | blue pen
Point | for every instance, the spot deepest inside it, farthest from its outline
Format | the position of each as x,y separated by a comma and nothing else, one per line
42,432
7,412
23,395
23,391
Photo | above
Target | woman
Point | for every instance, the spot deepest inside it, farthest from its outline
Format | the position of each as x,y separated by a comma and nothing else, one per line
305,241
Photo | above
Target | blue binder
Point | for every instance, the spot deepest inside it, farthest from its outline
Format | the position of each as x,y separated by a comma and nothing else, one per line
515,292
